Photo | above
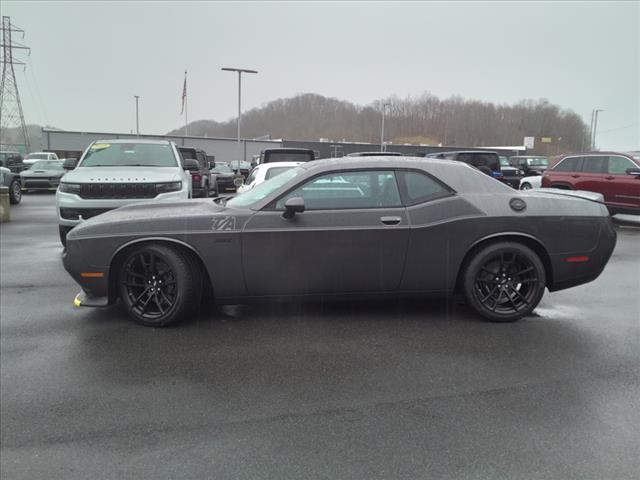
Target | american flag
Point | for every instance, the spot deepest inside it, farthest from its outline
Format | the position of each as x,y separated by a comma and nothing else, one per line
184,92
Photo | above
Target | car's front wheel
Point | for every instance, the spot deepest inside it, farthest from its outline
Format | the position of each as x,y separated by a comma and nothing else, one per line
525,186
504,281
159,285
15,192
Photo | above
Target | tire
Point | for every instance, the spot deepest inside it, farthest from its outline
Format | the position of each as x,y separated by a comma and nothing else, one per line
15,192
504,281
62,230
159,285
525,186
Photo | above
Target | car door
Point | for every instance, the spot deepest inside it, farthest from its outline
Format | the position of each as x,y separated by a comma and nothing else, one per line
591,176
351,238
620,188
564,174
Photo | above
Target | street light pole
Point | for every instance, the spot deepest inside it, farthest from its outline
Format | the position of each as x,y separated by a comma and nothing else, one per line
384,110
240,72
137,120
595,127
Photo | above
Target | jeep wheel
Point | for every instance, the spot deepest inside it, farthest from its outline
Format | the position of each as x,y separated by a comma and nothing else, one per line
15,192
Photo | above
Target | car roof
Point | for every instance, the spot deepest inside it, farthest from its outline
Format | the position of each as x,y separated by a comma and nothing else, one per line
279,164
462,151
132,140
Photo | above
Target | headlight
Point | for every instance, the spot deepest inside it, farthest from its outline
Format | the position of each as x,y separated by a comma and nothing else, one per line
168,187
70,188
521,172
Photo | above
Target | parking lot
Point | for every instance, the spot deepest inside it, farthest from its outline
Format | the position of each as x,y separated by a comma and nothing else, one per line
400,389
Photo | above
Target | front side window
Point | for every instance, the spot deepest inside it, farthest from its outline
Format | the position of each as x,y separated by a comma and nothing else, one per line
619,165
129,155
570,164
347,190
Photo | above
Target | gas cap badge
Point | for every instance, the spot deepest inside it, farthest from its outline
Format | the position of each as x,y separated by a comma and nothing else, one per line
517,204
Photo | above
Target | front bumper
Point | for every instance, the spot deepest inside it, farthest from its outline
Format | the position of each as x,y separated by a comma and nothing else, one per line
72,202
83,299
39,183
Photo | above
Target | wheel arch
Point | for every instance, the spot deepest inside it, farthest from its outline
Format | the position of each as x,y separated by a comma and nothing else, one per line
525,239
118,257
561,185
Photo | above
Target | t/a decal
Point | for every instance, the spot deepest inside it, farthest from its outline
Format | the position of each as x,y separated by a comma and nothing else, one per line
223,223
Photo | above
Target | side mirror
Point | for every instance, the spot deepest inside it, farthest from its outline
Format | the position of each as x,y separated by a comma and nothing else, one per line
292,206
70,163
633,171
190,164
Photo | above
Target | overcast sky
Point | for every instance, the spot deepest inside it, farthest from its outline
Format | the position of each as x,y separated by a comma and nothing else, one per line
89,59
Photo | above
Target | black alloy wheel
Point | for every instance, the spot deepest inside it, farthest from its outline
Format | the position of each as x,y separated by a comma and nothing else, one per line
15,192
159,285
505,281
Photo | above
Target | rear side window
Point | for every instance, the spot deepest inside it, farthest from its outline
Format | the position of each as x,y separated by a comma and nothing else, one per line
595,164
421,188
619,165
570,164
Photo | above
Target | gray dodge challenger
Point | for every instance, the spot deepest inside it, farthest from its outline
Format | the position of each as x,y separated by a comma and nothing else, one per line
355,227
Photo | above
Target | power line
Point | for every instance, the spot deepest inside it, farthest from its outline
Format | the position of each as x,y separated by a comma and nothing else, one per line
618,128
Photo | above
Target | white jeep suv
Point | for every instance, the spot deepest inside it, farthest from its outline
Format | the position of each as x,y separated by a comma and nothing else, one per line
113,173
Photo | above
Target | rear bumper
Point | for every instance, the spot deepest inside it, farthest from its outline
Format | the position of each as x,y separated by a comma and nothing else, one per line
568,273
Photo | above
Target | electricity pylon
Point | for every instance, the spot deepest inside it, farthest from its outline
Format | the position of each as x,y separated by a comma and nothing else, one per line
11,115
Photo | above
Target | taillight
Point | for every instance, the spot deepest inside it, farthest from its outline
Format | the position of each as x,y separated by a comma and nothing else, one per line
196,177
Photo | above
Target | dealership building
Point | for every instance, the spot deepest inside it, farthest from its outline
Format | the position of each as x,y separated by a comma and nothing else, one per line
68,144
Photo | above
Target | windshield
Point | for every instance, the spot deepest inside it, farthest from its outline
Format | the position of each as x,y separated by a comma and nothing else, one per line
538,161
46,165
129,154
260,191
37,156
222,168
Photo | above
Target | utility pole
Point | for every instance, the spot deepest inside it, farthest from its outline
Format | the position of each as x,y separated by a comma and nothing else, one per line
137,118
240,72
384,111
595,128
11,115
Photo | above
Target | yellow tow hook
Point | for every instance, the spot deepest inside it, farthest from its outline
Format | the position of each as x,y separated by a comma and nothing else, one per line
76,301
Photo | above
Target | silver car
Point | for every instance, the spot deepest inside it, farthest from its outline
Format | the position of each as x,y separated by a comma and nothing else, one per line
113,173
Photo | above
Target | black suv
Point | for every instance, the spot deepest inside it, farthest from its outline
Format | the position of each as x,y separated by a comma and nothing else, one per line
287,155
486,162
12,161
530,165
201,177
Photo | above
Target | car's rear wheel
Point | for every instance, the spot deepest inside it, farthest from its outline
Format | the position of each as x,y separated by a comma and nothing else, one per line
15,192
525,186
159,285
504,281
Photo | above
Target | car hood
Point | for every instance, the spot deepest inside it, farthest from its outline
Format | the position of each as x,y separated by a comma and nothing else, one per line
123,175
42,173
163,217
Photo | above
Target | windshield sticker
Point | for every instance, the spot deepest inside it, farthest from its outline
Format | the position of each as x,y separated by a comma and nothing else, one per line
100,146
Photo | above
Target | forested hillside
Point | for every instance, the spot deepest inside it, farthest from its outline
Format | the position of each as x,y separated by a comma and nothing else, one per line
425,119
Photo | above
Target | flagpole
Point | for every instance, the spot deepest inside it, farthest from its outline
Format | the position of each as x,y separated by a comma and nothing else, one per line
186,114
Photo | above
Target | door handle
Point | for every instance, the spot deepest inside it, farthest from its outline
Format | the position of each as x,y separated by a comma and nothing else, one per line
609,177
390,220
575,176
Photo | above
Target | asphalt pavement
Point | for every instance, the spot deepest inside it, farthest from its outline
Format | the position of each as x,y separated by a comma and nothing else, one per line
393,390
